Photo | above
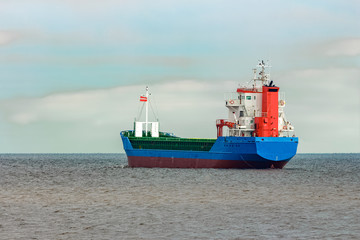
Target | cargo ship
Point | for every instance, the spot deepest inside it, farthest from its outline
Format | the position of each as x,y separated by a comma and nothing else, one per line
256,134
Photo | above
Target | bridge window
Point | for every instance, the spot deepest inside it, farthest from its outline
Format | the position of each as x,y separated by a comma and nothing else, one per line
248,97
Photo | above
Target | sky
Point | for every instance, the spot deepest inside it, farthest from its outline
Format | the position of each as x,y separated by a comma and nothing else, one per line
71,72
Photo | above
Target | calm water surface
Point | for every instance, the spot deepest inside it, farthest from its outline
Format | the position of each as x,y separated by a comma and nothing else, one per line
95,196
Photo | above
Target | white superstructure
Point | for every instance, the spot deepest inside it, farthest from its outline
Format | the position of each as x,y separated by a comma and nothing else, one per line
257,110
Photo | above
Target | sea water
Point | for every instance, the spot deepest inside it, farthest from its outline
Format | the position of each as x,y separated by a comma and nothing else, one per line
96,196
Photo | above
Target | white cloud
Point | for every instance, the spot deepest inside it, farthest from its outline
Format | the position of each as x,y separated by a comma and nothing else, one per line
90,121
345,47
61,107
7,37
175,102
324,106
23,118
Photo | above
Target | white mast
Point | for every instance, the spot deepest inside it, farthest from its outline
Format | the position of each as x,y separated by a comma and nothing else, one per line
152,127
146,109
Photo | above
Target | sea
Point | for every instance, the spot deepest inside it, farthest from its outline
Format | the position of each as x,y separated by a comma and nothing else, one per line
97,196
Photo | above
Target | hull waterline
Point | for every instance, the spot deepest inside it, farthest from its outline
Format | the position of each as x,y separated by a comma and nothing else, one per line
163,162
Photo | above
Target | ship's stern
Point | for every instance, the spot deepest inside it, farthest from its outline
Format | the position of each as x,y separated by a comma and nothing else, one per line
277,150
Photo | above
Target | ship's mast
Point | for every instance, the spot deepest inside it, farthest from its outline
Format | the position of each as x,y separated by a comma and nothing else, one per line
139,128
263,77
146,109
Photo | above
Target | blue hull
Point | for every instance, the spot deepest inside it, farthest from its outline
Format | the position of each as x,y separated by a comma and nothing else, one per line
227,152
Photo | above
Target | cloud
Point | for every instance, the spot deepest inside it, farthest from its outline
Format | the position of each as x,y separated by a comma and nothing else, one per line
7,37
61,107
324,107
90,121
174,101
345,47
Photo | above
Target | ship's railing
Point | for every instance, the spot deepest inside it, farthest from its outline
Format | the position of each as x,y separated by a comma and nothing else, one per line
234,132
245,132
288,133
128,133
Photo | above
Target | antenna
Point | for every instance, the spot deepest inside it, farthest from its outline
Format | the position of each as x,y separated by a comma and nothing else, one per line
263,76
254,79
